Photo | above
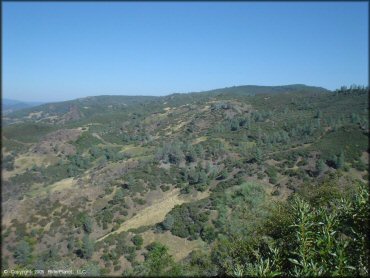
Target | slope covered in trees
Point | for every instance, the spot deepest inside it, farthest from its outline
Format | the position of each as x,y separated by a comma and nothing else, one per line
264,181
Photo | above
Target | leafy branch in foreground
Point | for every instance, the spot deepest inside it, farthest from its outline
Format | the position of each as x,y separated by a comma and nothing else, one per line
329,240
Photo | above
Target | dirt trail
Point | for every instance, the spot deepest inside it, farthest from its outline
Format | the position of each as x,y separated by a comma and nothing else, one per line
156,212
291,149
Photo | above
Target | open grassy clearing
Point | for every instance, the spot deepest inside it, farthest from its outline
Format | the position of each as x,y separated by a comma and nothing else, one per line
26,161
199,140
38,190
156,212
178,247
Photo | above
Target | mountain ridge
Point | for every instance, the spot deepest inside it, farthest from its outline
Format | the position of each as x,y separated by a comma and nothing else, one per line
241,89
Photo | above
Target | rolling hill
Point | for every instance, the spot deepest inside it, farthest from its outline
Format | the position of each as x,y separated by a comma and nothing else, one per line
201,183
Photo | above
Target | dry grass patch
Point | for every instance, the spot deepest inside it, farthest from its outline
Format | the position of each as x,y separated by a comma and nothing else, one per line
179,125
62,185
200,139
38,190
34,115
156,212
24,162
27,161
178,247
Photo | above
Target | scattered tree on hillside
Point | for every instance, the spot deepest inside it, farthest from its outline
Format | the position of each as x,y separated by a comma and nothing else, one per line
320,166
87,247
340,161
22,253
159,263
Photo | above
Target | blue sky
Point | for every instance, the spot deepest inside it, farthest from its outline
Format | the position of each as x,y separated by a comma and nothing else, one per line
58,51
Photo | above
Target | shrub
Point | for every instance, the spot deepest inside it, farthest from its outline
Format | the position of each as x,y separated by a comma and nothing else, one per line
137,241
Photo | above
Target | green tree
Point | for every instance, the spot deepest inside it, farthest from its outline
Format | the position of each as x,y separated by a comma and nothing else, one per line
159,263
71,243
168,222
340,161
22,253
320,166
119,195
88,224
87,247
191,156
202,177
92,269
355,118
223,175
137,240
258,156
199,151
328,238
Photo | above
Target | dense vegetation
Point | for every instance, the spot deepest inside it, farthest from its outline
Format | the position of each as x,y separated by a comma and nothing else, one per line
249,180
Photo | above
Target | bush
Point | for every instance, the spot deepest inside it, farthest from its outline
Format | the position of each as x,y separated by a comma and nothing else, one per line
186,220
22,253
308,239
159,263
87,249
137,241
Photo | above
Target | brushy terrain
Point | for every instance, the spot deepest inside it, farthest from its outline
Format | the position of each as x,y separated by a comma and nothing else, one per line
248,180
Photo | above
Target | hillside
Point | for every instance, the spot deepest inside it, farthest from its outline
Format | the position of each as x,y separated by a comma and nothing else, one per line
179,184
90,106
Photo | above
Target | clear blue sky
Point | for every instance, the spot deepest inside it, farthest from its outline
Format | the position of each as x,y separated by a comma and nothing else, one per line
58,51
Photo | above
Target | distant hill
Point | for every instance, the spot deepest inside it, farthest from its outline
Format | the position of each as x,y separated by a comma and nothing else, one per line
95,105
11,105
254,89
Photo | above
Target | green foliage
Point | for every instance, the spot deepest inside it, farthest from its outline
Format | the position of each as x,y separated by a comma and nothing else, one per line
349,140
272,173
258,156
83,220
239,209
320,166
71,243
199,263
22,253
8,162
196,176
86,141
340,161
186,220
119,195
321,249
87,248
159,263
27,132
328,240
168,222
88,224
137,241
92,269
171,152
223,174
200,134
